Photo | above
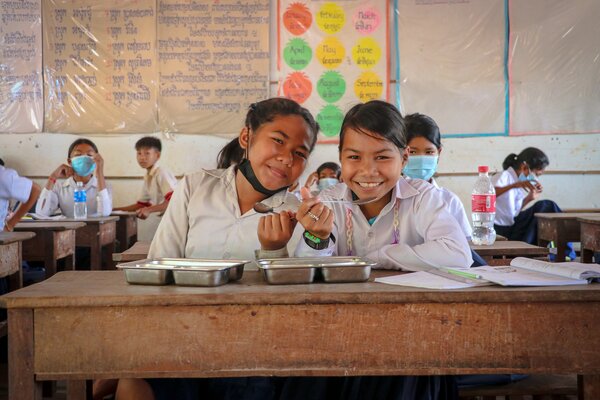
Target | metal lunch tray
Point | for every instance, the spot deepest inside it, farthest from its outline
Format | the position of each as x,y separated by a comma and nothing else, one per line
281,271
185,271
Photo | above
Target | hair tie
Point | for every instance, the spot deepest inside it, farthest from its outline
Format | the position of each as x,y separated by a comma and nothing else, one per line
253,107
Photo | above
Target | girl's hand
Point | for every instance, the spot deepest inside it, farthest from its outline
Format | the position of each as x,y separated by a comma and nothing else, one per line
99,163
314,216
527,185
312,178
143,213
275,230
62,172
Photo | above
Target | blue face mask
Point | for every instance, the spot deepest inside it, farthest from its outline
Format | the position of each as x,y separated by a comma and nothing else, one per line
421,167
83,165
531,177
324,183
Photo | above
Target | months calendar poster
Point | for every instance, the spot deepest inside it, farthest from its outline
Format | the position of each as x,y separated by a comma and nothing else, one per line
100,70
332,55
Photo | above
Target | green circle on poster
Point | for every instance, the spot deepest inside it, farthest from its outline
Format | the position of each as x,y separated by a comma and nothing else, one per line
330,120
297,54
331,86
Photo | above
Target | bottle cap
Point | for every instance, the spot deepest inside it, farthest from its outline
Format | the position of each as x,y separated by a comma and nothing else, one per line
483,168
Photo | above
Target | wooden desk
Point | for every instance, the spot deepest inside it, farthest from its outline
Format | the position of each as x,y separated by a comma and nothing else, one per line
581,210
590,237
138,251
126,228
54,240
560,228
500,253
251,329
11,248
98,233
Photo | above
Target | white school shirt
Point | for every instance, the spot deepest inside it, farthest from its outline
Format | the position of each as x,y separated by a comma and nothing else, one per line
428,235
509,204
158,182
99,203
12,186
456,208
203,220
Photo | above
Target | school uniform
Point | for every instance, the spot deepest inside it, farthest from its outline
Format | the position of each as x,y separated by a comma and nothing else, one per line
203,220
159,184
60,198
413,232
12,186
456,208
510,221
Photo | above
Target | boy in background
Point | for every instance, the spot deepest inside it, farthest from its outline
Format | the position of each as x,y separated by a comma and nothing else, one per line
159,182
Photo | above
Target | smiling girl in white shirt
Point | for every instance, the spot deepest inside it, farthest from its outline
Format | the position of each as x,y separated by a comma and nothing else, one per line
211,215
407,228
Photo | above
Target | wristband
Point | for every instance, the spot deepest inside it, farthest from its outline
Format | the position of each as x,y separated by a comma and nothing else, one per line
315,242
51,179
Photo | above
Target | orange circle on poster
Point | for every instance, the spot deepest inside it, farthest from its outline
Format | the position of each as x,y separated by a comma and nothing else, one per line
298,87
297,18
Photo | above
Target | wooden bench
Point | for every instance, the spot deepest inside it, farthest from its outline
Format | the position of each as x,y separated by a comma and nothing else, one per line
500,253
537,386
138,251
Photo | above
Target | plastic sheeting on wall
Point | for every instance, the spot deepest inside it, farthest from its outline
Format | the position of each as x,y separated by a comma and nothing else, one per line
100,69
21,100
451,64
554,66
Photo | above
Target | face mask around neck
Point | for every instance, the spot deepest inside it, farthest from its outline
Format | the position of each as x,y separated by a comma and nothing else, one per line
246,169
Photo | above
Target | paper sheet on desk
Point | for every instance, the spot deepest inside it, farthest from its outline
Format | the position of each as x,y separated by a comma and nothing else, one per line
425,280
46,218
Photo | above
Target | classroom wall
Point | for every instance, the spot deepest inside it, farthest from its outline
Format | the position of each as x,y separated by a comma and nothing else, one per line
572,179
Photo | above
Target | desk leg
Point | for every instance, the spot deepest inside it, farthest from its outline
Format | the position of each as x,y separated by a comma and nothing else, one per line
79,390
21,378
561,249
586,255
588,387
49,254
96,254
70,262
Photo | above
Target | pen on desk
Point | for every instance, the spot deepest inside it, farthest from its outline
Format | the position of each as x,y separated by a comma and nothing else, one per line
463,274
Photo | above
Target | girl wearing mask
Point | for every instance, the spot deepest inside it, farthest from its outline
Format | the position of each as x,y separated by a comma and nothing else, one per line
517,186
86,165
327,175
425,147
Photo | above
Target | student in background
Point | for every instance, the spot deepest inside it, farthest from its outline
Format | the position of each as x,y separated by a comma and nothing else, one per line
86,165
159,182
517,186
15,187
425,143
327,175
211,216
407,227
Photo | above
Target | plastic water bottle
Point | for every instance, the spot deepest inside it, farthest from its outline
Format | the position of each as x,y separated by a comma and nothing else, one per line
80,202
483,208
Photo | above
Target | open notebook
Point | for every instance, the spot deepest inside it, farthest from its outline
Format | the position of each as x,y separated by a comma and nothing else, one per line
521,272
529,272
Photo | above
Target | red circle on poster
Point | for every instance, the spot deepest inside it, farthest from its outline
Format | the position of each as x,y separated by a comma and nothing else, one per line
298,87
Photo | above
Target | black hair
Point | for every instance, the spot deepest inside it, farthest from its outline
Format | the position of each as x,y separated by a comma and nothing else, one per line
379,118
149,142
2,162
330,165
81,141
534,157
420,125
260,113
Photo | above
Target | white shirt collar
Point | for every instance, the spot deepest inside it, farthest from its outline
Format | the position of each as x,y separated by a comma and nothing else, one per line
91,183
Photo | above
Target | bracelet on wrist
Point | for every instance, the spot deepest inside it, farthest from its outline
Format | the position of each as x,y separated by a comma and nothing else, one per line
315,242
